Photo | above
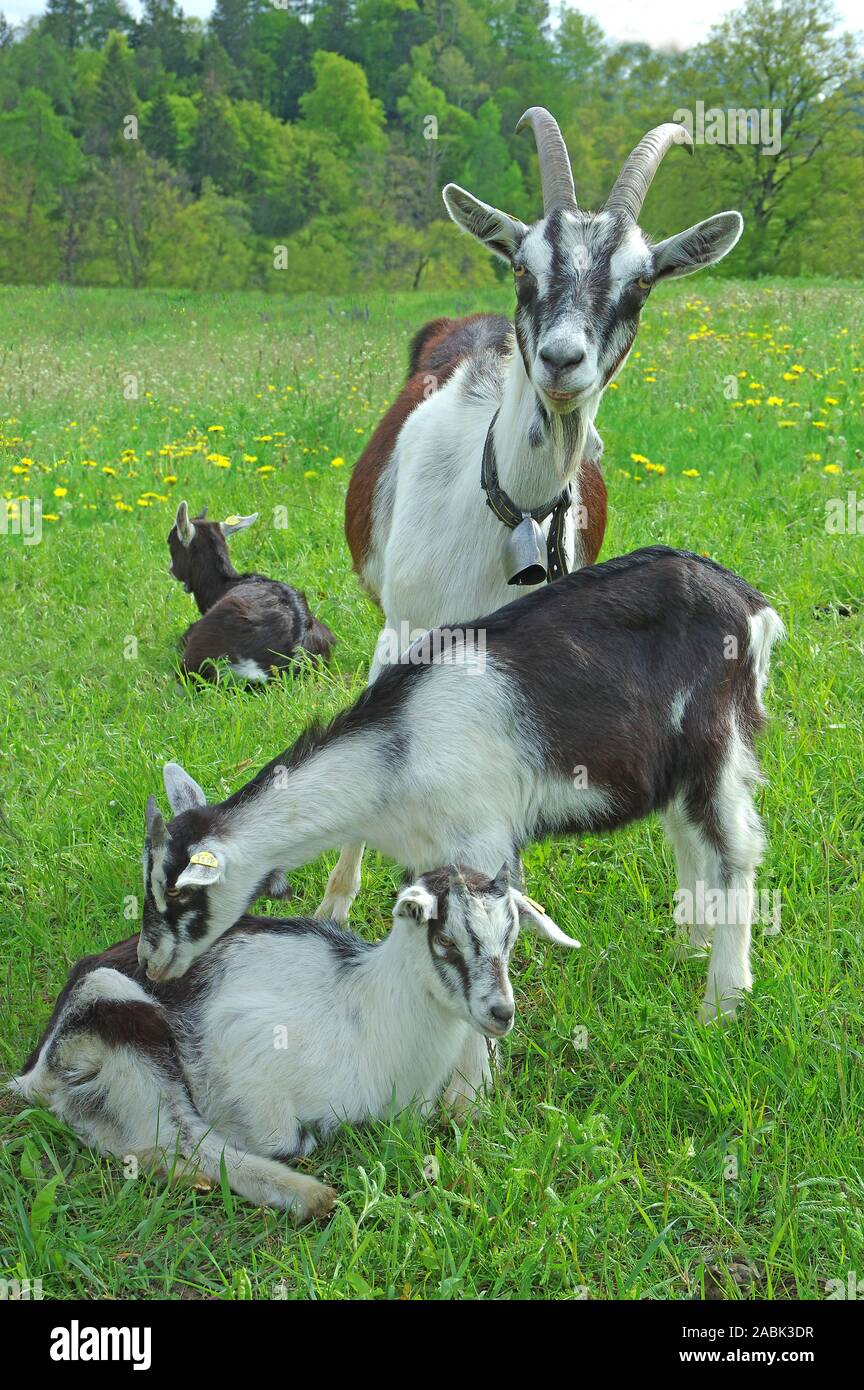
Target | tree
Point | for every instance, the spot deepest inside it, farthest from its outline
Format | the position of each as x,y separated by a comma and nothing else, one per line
109,131
160,130
65,21
215,150
36,141
340,104
232,25
491,171
163,29
101,17
785,58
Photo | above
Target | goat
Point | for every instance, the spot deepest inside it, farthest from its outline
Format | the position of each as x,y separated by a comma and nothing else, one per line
424,542
259,624
625,688
283,1030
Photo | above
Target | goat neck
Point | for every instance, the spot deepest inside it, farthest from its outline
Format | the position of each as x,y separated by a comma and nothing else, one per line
537,452
212,576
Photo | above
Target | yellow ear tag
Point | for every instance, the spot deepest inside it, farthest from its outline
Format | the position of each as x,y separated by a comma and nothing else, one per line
532,902
231,520
205,857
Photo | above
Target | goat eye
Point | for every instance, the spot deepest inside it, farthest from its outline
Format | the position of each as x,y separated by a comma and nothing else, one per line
172,892
518,271
643,283
445,940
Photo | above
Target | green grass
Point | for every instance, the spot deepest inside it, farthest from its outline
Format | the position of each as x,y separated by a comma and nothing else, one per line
599,1168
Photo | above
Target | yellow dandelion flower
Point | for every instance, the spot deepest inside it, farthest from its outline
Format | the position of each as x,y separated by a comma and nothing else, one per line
774,400
831,400
122,507
310,473
638,458
266,468
832,468
170,478
50,516
812,458
819,424
338,462
112,472
690,472
215,429
250,458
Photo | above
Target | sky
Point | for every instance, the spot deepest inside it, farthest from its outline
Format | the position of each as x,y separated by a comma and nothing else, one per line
664,23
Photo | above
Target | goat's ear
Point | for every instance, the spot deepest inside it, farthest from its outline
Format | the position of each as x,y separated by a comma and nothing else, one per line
237,523
532,915
498,230
204,867
154,823
704,244
183,791
417,903
501,881
185,528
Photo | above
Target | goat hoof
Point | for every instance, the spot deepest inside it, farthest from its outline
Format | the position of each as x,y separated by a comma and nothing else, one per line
318,1207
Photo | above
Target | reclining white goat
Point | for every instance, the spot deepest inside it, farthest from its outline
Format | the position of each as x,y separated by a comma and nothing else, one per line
283,1030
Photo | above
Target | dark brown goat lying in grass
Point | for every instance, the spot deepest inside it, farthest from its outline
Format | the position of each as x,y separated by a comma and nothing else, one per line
258,624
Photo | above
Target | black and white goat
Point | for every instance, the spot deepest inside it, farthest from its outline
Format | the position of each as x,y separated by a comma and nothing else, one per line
425,544
625,688
283,1030
258,624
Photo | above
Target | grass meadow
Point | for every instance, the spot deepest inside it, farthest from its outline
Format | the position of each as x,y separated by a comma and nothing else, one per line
627,1152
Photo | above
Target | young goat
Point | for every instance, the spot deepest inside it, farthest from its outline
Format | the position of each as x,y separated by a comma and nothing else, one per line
626,688
283,1030
259,624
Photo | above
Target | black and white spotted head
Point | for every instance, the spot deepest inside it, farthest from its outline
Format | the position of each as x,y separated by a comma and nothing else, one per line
190,898
582,278
471,924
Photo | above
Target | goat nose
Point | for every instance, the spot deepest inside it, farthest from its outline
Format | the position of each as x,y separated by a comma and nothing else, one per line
502,1013
562,357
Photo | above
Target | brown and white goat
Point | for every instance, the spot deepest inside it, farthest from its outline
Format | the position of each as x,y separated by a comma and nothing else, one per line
424,543
258,624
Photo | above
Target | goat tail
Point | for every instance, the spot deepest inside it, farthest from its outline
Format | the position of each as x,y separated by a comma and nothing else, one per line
766,628
264,1181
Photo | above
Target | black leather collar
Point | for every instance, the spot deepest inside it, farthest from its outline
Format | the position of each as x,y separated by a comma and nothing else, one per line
508,513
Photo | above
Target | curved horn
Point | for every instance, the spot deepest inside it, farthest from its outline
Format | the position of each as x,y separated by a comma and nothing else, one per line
556,179
632,184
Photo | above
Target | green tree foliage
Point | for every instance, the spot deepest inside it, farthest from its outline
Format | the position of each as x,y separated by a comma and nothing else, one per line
299,144
339,104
